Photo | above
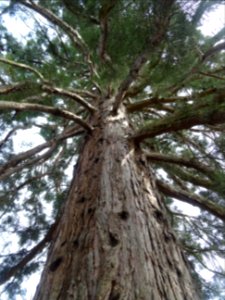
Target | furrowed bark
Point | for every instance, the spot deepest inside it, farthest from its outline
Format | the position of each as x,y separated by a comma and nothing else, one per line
113,240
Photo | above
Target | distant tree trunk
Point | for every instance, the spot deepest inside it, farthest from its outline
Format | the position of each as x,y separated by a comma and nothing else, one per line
113,240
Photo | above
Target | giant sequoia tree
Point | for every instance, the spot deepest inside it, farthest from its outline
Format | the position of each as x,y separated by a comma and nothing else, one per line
133,95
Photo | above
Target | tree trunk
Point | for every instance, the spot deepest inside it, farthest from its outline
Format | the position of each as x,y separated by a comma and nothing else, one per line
113,240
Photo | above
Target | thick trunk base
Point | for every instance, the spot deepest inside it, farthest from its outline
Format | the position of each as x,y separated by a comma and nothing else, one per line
114,241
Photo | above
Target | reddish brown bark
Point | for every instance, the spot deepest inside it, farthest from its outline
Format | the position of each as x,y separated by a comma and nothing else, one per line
113,240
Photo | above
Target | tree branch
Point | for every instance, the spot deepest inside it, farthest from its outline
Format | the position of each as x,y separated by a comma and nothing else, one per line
140,105
23,156
209,113
31,162
69,94
74,8
12,88
196,180
73,34
196,67
218,36
75,95
161,23
203,203
103,17
7,274
189,163
211,75
10,167
213,50
22,66
9,134
45,109
201,9
30,180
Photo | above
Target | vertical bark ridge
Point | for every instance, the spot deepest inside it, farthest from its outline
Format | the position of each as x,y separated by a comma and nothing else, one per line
114,241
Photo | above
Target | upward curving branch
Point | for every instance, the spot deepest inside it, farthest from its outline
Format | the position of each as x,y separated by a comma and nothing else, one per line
103,19
76,9
9,134
196,67
73,34
161,23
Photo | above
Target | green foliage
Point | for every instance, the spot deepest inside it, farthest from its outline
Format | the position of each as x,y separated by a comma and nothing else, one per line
175,80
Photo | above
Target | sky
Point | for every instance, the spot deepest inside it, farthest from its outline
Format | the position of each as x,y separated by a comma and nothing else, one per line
213,21
211,24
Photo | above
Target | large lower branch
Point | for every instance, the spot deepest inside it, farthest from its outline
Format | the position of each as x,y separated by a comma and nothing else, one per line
30,162
210,113
194,200
153,101
14,164
45,109
9,273
189,163
23,156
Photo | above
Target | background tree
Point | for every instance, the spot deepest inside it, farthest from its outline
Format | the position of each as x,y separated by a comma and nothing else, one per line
135,91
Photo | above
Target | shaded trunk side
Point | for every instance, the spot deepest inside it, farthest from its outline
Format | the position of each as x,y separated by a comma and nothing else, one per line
114,241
